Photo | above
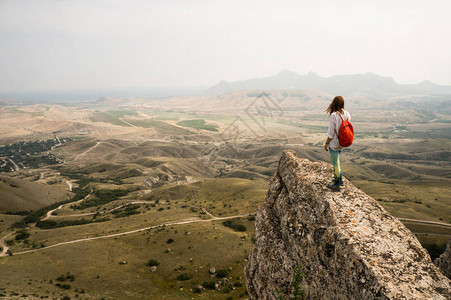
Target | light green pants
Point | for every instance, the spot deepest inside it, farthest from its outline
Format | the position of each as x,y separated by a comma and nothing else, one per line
335,159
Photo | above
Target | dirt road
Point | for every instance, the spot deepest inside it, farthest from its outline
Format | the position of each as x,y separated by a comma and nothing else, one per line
87,151
182,222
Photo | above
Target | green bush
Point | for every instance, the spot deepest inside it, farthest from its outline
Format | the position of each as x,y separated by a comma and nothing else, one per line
153,262
21,235
70,277
209,285
184,277
221,273
64,286
234,226
297,293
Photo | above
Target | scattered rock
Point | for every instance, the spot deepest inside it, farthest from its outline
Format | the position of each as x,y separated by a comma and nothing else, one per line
199,287
123,262
153,269
212,270
339,238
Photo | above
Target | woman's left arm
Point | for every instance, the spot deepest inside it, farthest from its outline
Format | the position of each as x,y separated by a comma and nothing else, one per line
326,145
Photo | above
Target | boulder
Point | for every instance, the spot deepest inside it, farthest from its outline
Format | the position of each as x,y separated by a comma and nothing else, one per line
348,246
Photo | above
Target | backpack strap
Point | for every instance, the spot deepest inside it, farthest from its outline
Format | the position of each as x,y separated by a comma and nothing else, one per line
342,117
341,122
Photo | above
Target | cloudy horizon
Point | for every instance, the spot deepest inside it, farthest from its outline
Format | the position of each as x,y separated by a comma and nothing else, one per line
155,45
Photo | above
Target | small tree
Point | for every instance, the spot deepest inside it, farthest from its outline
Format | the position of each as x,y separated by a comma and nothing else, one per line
298,293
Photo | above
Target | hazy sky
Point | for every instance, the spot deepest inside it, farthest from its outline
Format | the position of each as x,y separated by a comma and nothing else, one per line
76,44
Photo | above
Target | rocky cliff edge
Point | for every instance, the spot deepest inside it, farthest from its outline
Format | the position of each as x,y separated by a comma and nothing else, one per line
348,245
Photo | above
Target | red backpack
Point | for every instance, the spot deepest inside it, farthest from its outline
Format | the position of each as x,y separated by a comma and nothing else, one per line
346,133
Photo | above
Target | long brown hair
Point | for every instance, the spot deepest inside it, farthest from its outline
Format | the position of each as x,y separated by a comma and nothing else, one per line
338,104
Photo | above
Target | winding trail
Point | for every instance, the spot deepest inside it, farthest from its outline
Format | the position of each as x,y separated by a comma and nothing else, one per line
90,149
425,222
69,184
15,165
182,222
50,212
3,245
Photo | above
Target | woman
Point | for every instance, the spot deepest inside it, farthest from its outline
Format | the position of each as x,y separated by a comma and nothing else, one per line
337,114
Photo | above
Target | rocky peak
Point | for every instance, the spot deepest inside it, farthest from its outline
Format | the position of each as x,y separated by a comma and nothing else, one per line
348,245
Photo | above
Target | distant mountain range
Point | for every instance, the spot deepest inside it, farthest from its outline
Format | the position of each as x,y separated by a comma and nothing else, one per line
368,84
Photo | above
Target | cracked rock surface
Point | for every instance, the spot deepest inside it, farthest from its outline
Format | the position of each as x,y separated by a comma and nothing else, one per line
349,246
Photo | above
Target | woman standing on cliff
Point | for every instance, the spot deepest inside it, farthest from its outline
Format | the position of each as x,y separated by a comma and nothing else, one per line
337,114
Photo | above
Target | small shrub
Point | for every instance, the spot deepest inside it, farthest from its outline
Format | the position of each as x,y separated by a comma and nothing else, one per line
184,277
209,285
240,227
21,235
153,262
297,293
70,277
221,273
169,241
234,226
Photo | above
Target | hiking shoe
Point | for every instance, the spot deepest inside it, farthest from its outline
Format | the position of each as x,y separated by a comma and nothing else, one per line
333,187
340,184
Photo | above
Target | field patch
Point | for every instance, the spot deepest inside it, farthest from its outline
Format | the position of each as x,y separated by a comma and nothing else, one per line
198,124
106,118
159,126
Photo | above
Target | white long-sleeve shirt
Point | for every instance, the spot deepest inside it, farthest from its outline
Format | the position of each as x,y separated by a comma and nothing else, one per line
334,127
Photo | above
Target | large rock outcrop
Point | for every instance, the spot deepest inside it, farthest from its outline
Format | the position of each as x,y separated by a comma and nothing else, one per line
349,246
444,261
